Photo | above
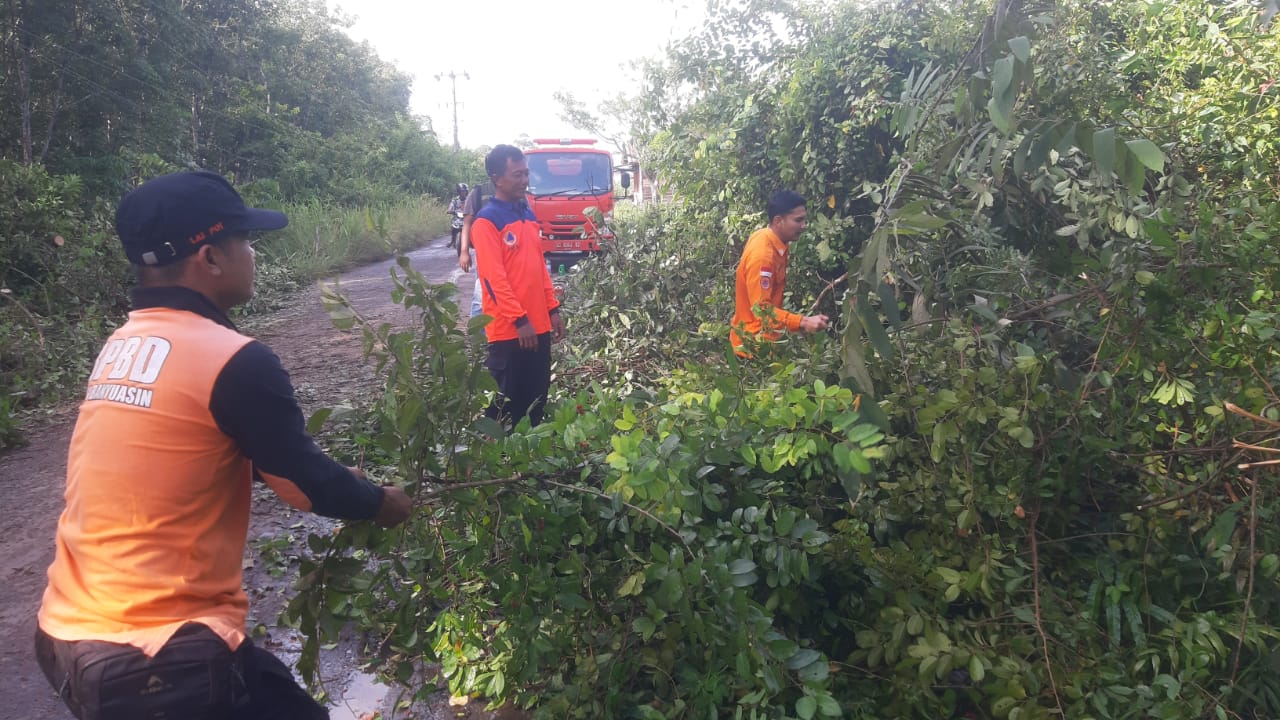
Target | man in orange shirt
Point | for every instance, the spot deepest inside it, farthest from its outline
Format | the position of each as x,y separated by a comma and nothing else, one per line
144,613
516,291
762,276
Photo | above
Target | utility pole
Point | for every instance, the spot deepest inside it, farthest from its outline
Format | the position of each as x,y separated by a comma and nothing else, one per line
453,80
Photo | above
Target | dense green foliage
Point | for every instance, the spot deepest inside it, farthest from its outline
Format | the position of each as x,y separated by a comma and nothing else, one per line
100,96
266,92
64,280
1026,477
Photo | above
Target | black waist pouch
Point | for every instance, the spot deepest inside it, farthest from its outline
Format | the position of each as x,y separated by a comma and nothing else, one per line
195,676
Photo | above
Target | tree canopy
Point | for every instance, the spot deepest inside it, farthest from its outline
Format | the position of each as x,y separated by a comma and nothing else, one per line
271,92
1032,473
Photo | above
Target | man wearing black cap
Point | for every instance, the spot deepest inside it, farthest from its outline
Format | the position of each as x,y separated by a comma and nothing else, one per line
144,613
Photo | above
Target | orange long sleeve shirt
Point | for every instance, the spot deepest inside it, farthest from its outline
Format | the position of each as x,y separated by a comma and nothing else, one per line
761,281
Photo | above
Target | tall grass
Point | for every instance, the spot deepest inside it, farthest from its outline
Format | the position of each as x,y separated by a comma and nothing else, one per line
323,239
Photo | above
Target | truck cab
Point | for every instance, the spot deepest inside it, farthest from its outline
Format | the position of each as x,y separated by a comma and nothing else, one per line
567,179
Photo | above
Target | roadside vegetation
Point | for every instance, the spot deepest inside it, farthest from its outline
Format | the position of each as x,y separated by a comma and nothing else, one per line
99,96
1032,472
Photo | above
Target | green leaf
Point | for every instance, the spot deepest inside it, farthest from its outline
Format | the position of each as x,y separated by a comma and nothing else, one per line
1001,77
814,672
824,250
1135,177
1148,153
851,481
855,364
782,648
948,575
871,253
803,658
741,566
632,585
1021,48
1224,527
571,601
316,421
806,706
889,304
977,671
999,116
497,684
915,625
491,427
644,627
1104,153
875,331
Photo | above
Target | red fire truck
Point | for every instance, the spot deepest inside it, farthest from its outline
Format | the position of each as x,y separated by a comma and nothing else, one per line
567,178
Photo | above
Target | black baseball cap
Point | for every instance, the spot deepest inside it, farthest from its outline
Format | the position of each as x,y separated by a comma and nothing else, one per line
168,218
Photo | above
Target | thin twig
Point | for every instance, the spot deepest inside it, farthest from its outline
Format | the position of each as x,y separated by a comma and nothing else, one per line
1248,595
1051,302
1259,448
831,286
1261,463
1233,408
449,487
35,323
611,498
1044,637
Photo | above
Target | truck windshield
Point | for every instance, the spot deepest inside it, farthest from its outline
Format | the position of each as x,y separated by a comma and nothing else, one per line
569,173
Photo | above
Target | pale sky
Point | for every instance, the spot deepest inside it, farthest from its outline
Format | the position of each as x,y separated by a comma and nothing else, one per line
516,54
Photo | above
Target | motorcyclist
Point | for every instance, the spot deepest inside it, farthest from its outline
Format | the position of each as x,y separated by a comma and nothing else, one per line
455,210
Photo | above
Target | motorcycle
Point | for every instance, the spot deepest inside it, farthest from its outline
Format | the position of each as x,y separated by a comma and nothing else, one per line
455,231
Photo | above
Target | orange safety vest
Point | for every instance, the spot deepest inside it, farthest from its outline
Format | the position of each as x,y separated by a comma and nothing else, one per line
157,495
760,283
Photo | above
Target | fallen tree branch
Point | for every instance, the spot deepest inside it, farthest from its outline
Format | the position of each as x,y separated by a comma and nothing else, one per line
1248,596
1259,448
1044,636
1041,307
1236,409
448,487
831,286
1260,463
611,498
35,322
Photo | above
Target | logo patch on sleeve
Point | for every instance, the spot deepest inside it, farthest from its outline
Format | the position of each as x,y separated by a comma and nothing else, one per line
766,278
509,238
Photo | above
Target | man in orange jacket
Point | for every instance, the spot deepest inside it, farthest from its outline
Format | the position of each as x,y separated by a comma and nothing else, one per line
516,291
144,613
762,276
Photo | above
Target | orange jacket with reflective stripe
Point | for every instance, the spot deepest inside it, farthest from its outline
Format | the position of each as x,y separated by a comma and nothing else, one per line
180,413
761,280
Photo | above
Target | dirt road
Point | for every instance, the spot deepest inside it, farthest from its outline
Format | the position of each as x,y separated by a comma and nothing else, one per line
326,367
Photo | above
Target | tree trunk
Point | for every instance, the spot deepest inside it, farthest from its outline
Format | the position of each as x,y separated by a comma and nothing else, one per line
195,128
24,97
53,117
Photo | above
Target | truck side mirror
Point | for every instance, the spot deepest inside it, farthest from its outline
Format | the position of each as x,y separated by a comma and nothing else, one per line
625,179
